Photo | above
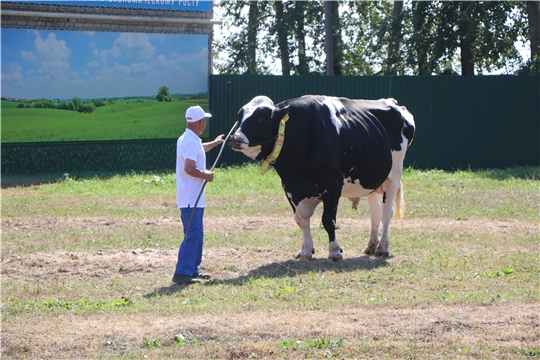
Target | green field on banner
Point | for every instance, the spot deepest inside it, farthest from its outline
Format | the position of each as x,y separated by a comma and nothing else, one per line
125,119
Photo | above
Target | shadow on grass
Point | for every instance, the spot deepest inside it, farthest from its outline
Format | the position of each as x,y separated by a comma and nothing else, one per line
517,172
288,268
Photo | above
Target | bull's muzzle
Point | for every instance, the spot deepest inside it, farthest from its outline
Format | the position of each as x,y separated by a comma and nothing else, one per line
236,142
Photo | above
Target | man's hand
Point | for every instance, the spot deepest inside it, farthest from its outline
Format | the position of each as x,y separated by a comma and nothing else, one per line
219,139
212,144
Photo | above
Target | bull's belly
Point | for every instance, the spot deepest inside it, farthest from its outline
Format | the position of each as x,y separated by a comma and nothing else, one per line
353,190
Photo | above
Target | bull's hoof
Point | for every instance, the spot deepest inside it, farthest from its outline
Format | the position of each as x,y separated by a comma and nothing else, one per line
369,252
336,257
383,254
302,255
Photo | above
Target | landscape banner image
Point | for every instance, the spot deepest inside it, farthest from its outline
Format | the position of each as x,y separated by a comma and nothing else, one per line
85,86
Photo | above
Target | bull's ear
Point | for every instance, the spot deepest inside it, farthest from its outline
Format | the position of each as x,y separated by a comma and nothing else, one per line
279,113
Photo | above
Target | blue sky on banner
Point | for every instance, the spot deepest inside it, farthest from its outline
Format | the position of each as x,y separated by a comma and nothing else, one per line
53,64
180,5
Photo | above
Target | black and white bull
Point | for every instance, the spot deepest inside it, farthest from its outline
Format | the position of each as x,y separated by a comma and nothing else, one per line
326,147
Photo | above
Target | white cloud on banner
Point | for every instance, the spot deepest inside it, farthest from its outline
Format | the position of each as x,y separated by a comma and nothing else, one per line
64,64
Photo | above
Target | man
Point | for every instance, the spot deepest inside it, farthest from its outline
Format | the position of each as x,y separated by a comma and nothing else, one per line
190,176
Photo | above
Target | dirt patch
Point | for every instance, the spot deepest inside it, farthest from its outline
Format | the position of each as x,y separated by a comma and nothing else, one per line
219,224
433,326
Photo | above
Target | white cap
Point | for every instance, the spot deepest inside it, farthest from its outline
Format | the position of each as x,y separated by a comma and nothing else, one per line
196,113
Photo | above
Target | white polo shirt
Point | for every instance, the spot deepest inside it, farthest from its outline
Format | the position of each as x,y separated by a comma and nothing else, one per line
189,146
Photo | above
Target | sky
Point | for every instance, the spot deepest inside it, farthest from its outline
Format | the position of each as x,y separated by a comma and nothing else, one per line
55,64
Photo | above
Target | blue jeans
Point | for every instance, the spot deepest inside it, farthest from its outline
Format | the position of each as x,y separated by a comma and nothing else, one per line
191,249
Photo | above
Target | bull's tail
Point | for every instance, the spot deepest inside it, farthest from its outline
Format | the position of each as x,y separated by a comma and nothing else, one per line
399,202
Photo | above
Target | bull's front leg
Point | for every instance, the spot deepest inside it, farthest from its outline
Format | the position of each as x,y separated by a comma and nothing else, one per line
302,214
329,223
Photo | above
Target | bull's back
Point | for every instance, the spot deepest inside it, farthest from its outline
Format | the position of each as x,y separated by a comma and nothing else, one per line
375,129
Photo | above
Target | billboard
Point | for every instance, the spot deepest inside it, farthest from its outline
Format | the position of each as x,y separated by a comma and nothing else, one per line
62,85
173,5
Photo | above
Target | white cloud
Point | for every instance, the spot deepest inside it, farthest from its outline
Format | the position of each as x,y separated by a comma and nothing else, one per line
140,68
132,45
14,72
51,48
202,56
28,55
55,64
93,64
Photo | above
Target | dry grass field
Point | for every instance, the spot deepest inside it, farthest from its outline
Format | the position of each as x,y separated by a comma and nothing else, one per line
87,267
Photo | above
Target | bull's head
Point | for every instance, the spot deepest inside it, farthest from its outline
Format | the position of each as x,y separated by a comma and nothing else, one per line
259,121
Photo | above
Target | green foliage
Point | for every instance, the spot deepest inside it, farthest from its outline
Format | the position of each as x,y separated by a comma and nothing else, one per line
83,304
531,351
422,38
151,344
76,103
163,94
322,343
503,272
530,68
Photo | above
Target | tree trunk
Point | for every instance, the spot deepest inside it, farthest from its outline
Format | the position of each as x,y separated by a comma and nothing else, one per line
329,37
419,47
393,50
303,67
533,13
282,39
252,38
467,63
337,41
466,37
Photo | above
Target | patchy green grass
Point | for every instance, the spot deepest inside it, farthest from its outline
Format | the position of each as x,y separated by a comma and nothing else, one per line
87,263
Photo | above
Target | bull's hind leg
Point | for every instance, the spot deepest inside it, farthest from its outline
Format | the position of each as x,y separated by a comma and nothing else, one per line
302,215
392,188
375,209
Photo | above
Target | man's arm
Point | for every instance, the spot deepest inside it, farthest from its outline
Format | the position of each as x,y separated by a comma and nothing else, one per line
190,167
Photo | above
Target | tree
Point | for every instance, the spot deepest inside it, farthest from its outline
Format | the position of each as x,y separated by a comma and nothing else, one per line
76,103
237,53
308,29
282,33
533,16
163,94
252,29
87,107
365,25
395,39
334,43
481,34
372,38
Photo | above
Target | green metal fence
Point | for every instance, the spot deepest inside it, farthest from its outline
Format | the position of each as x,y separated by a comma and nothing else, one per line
462,122
78,157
